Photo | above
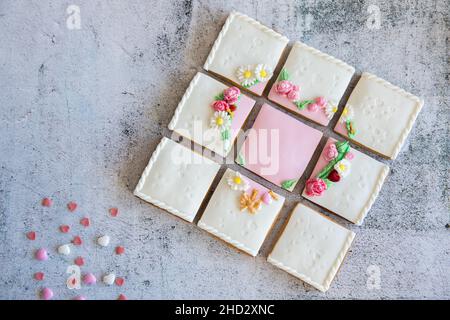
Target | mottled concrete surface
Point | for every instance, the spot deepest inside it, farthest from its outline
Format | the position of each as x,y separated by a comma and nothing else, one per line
82,111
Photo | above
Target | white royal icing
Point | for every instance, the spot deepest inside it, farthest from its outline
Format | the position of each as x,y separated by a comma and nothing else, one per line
176,179
224,219
311,247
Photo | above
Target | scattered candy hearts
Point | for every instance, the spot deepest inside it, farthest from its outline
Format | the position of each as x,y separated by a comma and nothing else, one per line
47,202
85,222
113,212
64,228
103,240
119,281
109,278
89,278
39,276
31,235
72,206
46,294
79,261
77,241
122,297
120,250
79,298
41,254
64,249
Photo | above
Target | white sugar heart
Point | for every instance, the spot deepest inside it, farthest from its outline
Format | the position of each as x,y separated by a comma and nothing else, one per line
64,249
103,240
109,278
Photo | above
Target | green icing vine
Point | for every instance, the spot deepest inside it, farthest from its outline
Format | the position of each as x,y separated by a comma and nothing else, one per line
288,184
240,159
342,148
351,132
303,104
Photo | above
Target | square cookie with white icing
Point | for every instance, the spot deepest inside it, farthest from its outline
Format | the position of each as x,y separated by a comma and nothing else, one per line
379,115
311,83
176,179
241,212
311,247
246,52
278,147
345,181
211,114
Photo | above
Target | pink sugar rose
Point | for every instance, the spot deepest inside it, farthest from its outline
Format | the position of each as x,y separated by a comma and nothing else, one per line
321,101
283,87
330,152
220,105
313,107
294,94
349,156
315,187
231,95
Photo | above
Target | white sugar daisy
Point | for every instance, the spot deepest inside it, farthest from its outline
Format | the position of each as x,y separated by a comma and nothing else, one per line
237,182
330,110
221,120
347,114
246,75
343,167
263,72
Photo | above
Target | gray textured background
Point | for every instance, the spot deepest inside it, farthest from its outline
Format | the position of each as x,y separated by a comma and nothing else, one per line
82,111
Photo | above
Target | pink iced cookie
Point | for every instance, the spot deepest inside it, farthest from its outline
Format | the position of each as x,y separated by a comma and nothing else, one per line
278,147
41,254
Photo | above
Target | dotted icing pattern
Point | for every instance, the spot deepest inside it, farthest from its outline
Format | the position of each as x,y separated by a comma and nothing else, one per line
325,56
227,238
236,15
412,119
140,185
333,270
180,106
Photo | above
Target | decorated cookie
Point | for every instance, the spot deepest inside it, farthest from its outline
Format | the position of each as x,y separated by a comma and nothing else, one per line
311,83
176,179
241,212
211,114
246,52
278,147
345,181
311,247
379,115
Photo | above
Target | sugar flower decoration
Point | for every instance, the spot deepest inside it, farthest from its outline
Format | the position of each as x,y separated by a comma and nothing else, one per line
221,120
347,114
246,75
330,110
343,168
237,182
263,72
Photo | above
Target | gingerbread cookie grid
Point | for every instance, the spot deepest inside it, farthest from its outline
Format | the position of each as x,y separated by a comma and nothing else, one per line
250,70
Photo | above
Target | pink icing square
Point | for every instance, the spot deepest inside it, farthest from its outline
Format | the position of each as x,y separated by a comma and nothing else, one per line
278,147
318,116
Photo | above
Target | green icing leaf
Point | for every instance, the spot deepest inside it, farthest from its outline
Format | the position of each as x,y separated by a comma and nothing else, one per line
225,134
350,128
303,104
288,184
251,84
240,159
219,97
327,182
342,147
284,75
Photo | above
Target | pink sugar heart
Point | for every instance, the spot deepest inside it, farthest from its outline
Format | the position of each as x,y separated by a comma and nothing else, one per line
72,206
122,297
31,235
39,276
119,281
89,278
47,293
113,212
79,261
77,241
64,228
79,298
47,202
41,254
85,222
120,250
